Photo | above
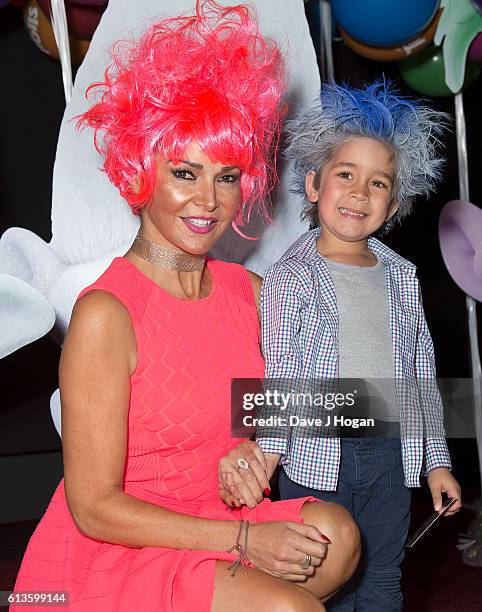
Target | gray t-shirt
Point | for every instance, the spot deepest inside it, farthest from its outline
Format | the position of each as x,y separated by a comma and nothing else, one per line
364,336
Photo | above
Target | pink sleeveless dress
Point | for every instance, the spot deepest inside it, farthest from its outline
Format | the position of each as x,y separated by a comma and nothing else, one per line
179,426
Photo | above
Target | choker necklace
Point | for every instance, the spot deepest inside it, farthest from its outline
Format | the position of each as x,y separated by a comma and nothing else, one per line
165,257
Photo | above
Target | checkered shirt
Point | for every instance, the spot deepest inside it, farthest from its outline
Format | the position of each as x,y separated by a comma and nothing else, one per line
299,322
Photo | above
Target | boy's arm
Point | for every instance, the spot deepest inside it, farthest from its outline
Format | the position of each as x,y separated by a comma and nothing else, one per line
436,453
280,307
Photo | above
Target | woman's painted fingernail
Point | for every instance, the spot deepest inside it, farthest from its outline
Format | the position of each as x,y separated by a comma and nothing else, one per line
325,539
267,491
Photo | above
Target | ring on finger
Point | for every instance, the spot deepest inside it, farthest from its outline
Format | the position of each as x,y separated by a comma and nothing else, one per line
307,562
242,463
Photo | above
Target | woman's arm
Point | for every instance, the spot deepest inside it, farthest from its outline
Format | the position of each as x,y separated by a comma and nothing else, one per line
97,361
98,358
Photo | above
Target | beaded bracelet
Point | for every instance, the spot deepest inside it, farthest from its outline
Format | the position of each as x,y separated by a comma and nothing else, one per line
243,550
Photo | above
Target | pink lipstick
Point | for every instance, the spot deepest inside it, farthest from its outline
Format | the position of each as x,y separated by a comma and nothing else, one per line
200,225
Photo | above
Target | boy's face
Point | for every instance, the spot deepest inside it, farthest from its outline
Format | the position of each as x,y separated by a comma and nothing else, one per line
354,190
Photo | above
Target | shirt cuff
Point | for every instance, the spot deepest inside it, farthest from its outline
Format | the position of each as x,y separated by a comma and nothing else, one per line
436,455
273,445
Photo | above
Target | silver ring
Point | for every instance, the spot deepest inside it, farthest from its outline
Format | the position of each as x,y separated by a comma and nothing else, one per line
243,464
307,562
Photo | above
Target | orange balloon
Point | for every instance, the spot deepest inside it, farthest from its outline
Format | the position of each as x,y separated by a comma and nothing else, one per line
41,33
398,52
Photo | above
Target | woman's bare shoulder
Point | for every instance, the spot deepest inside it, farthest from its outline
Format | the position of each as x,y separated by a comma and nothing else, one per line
100,322
98,307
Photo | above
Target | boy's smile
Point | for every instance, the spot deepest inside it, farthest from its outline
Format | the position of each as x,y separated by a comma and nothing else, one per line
350,213
354,192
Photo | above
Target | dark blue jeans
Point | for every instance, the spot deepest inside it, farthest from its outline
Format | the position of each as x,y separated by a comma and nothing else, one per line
371,487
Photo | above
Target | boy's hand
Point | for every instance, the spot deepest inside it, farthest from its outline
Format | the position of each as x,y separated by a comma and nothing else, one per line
440,480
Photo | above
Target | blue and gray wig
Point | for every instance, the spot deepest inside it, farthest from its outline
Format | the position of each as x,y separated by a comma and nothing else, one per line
408,128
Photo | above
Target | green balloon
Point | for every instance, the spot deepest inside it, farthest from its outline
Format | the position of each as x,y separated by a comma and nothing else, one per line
424,72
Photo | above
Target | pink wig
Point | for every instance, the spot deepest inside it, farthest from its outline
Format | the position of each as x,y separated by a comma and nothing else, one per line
209,77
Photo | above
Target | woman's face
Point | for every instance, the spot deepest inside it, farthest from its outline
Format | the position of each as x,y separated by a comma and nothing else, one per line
194,202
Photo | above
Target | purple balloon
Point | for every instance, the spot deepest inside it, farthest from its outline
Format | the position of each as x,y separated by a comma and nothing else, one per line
3,3
475,51
460,237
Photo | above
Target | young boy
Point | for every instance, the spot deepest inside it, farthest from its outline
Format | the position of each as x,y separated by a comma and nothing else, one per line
340,304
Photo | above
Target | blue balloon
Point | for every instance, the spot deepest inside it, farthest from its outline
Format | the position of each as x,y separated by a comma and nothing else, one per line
384,23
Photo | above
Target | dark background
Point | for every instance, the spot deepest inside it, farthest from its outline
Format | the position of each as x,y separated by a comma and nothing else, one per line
32,104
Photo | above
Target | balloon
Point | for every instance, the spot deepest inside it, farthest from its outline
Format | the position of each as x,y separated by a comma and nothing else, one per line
478,5
40,31
3,3
398,52
460,232
475,51
425,73
81,20
459,24
384,23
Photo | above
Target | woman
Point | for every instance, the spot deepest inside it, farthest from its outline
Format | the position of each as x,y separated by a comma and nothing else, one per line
189,118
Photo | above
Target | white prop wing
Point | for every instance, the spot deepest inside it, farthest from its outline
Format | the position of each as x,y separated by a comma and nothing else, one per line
25,314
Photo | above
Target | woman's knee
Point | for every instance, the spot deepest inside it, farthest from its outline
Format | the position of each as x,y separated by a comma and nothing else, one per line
338,525
344,527
260,592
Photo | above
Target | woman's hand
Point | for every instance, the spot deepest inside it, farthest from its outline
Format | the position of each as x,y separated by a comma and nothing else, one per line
246,486
280,548
440,480
229,499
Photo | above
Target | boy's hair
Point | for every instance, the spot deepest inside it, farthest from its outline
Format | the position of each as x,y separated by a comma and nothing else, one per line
209,77
410,130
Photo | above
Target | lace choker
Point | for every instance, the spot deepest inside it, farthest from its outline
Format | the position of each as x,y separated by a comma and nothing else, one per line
164,257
